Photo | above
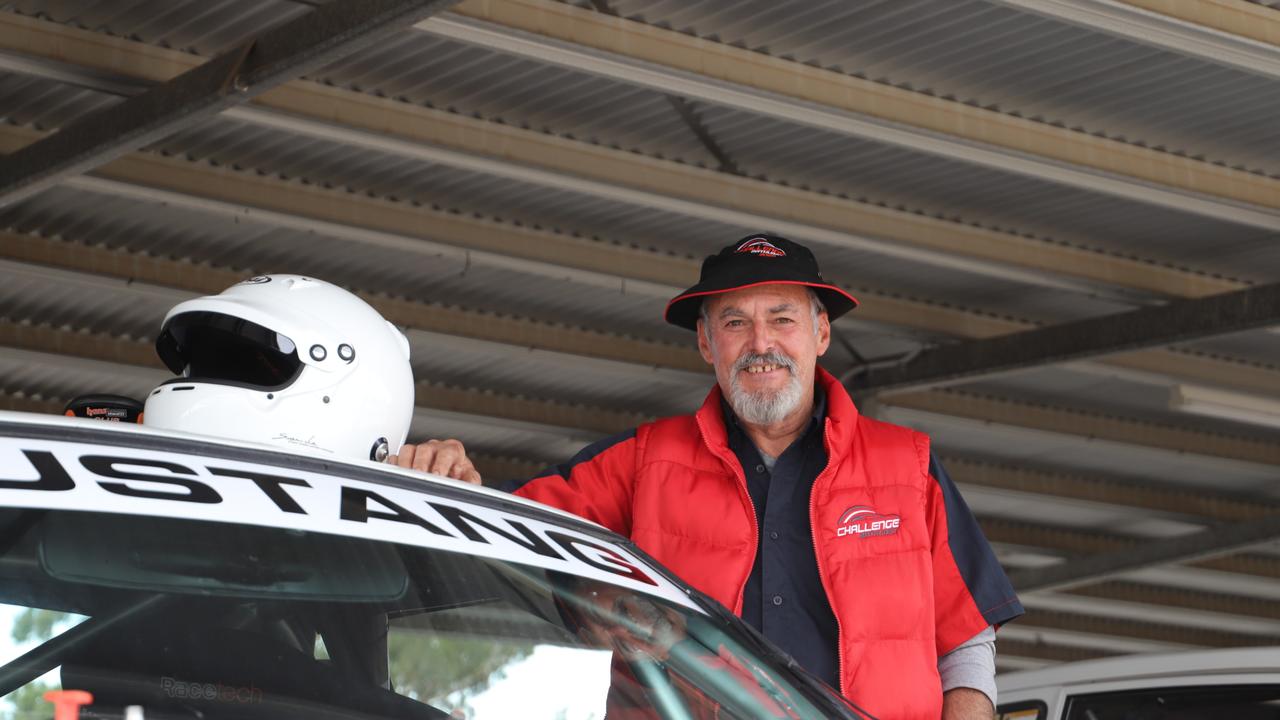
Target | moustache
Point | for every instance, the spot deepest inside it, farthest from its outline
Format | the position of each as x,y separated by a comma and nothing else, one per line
772,357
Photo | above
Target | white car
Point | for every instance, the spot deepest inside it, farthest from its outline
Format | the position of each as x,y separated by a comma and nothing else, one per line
1230,684
170,577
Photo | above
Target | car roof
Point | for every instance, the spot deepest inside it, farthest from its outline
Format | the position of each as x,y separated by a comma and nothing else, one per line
77,459
59,421
1135,667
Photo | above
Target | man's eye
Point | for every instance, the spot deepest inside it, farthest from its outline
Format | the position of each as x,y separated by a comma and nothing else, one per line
733,323
784,320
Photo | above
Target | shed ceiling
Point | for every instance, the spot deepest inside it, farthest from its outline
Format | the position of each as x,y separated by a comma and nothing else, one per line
522,184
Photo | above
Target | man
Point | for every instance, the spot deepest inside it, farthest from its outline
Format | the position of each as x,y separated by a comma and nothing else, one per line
840,537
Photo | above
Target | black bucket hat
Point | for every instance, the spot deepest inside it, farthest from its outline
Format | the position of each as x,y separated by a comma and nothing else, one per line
757,260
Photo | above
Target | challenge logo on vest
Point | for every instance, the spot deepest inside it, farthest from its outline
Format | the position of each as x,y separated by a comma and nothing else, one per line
762,248
864,522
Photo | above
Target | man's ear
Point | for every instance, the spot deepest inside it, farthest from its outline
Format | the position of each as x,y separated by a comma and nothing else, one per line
704,347
824,333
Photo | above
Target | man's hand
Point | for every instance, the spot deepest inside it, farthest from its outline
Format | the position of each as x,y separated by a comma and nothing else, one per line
440,457
964,703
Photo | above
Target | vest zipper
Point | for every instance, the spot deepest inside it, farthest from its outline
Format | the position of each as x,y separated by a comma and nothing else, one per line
822,575
745,496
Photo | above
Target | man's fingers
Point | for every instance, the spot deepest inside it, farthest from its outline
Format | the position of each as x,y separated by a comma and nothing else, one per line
438,457
404,458
448,453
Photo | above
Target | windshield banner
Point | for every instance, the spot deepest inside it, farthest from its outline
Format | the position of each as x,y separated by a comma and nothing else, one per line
59,475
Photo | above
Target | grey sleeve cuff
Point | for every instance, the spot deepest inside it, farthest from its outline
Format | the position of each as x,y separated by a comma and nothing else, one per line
972,664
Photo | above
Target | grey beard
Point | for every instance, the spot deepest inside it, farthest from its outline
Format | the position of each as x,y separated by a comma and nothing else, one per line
764,407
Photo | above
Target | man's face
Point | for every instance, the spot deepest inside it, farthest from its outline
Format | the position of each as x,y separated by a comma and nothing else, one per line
764,347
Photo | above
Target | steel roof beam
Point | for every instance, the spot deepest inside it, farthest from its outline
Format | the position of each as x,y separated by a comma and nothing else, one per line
708,71
1221,33
1178,321
1013,416
1107,491
1214,542
277,56
1075,541
406,130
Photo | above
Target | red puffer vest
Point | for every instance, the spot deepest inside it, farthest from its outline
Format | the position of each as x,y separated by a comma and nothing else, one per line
879,532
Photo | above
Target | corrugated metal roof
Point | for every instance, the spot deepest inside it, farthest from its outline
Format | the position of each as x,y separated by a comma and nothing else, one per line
446,74
204,27
914,182
994,56
361,171
237,242
26,100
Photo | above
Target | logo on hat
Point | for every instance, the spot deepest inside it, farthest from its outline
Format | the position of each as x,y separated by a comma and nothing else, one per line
761,247
865,522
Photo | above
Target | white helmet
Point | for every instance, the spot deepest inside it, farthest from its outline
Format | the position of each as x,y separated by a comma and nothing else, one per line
290,361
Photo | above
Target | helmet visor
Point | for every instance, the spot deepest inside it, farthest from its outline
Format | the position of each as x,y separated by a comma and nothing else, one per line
226,349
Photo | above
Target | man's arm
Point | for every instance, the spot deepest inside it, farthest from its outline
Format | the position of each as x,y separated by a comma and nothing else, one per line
968,678
596,484
971,590
966,704
972,596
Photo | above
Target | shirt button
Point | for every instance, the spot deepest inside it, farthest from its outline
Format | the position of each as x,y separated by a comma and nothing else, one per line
773,535
759,468
777,599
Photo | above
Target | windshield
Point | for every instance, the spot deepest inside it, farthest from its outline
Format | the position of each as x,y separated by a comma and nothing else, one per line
173,617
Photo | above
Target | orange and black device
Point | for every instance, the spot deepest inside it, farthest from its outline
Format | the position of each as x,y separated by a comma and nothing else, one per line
112,408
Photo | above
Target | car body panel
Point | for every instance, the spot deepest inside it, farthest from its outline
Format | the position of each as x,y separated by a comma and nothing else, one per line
1056,686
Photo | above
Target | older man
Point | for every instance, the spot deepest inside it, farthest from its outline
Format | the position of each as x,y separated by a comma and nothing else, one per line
839,537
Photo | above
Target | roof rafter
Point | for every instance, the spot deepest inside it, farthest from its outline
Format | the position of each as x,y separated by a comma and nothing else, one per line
278,55
1178,321
1084,545
1210,543
1007,415
1106,491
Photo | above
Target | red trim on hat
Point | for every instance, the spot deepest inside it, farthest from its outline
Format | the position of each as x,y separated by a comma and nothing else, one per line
667,312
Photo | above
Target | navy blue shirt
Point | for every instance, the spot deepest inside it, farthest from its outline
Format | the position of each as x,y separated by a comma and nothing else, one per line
784,598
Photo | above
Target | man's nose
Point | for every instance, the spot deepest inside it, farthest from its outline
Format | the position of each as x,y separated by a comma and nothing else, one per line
761,338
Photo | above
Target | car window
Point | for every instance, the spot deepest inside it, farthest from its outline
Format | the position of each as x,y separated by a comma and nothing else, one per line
1026,710
193,619
1208,702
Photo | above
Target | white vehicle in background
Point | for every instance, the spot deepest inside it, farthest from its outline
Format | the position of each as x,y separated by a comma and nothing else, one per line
1230,684
173,577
